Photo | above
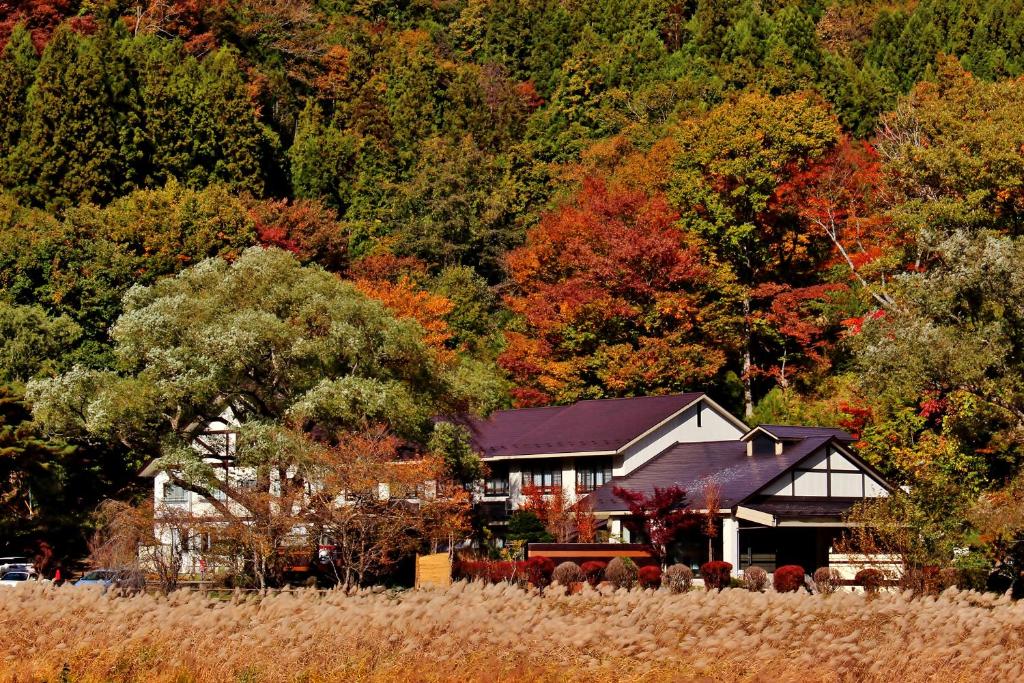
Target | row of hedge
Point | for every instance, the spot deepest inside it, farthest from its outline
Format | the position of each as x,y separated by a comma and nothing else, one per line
621,572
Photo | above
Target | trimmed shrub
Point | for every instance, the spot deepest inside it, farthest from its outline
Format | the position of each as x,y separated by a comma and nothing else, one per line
471,570
501,571
826,580
539,571
788,578
716,574
870,579
678,578
621,572
567,573
593,571
650,576
755,579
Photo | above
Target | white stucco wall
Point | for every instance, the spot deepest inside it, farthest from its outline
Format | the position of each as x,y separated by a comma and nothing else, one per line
681,429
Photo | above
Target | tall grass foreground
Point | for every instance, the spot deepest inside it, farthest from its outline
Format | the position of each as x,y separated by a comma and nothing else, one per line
474,632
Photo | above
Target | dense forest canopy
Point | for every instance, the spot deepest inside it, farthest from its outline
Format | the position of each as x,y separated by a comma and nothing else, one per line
812,210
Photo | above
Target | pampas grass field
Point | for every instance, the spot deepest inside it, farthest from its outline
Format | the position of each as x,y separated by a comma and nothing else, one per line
475,632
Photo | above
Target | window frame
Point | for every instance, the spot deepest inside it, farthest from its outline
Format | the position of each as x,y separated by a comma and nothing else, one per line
531,471
497,482
597,468
173,499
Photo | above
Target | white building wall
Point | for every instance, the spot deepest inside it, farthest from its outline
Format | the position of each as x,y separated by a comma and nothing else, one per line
569,480
515,484
731,542
681,429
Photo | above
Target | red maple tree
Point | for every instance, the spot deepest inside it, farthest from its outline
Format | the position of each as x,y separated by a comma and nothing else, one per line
660,516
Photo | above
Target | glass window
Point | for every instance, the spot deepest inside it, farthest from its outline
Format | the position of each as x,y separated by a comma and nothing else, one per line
174,494
592,473
496,483
546,478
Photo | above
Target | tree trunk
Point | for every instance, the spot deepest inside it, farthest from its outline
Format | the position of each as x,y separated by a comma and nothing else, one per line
748,392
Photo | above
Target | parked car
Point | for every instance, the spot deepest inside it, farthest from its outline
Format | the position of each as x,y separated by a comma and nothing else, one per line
97,577
17,577
124,579
11,563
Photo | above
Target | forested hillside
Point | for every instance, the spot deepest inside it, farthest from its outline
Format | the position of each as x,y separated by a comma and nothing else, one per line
813,211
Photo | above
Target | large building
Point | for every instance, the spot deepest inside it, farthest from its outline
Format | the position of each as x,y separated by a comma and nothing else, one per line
782,491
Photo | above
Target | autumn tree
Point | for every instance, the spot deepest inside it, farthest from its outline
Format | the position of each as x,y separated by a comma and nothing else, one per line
614,301
730,165
939,190
389,506
711,501
658,517
304,227
843,196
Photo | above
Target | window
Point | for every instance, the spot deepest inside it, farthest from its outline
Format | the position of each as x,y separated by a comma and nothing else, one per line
592,473
546,478
763,444
496,483
174,494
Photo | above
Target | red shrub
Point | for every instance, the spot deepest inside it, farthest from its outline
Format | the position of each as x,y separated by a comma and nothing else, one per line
788,578
471,570
501,571
716,574
539,570
593,571
870,578
650,576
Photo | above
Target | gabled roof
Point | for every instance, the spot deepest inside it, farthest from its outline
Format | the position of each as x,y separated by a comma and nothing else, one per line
796,433
692,466
595,426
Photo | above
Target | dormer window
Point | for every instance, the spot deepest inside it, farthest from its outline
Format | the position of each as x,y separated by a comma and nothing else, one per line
761,442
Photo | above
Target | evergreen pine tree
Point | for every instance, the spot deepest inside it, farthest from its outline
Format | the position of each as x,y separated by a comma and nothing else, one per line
78,141
18,63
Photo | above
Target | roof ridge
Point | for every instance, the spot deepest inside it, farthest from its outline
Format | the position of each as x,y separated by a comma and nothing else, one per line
765,424
634,398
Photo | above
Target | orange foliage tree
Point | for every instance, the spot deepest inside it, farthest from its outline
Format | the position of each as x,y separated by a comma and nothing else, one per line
565,520
614,301
397,283
841,197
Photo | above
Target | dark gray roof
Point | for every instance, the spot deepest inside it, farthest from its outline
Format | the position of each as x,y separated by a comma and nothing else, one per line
587,426
794,432
795,507
692,466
